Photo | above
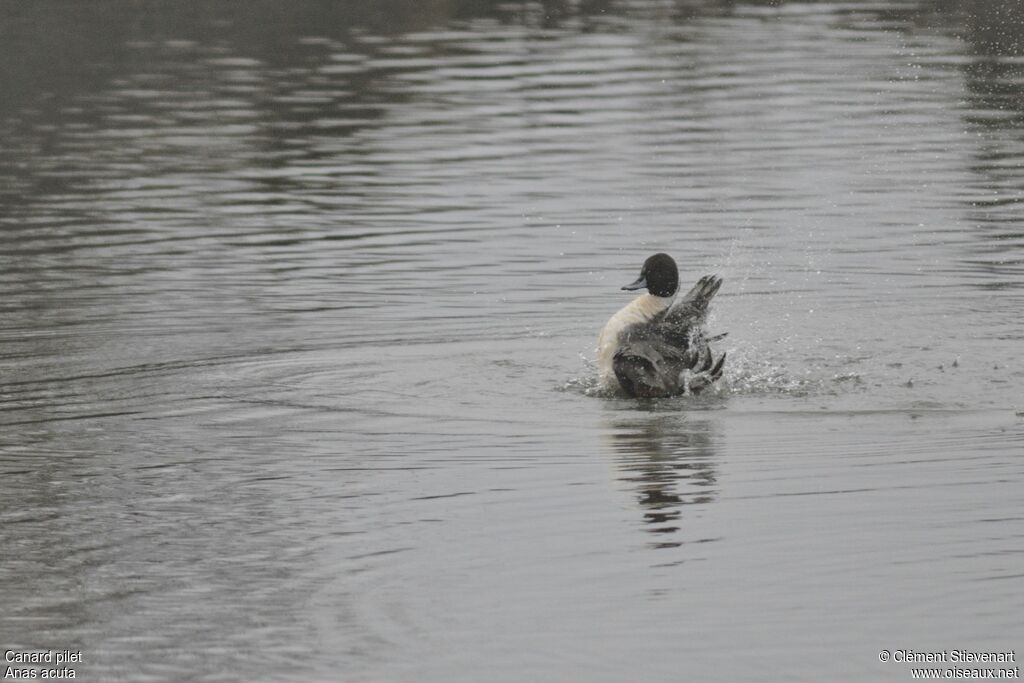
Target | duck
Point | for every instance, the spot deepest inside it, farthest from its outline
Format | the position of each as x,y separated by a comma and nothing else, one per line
657,345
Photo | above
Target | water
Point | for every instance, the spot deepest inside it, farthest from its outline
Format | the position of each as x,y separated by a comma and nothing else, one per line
298,316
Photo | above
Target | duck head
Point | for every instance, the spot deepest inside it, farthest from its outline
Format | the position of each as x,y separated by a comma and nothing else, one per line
659,276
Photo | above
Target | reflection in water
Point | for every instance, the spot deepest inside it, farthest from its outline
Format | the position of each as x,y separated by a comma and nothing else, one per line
990,37
994,113
669,459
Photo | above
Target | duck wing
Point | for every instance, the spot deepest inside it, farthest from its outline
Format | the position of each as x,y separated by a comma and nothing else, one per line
656,364
692,309
647,368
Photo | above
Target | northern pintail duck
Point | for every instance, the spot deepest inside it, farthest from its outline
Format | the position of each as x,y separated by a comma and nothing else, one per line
657,345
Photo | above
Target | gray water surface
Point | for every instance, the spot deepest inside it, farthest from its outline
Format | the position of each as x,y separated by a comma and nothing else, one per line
297,326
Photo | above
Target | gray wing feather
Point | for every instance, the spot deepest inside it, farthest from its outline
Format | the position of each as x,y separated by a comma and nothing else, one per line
644,369
692,309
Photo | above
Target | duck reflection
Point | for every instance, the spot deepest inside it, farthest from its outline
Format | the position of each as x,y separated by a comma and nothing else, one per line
669,459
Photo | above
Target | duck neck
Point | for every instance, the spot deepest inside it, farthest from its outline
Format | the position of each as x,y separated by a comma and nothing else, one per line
650,305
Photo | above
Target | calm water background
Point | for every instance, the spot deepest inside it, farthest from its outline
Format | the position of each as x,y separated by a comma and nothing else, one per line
297,323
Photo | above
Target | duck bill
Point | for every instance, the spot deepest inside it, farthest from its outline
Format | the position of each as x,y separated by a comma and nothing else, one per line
640,283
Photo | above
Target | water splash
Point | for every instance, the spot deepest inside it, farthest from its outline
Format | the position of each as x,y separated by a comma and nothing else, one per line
748,372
